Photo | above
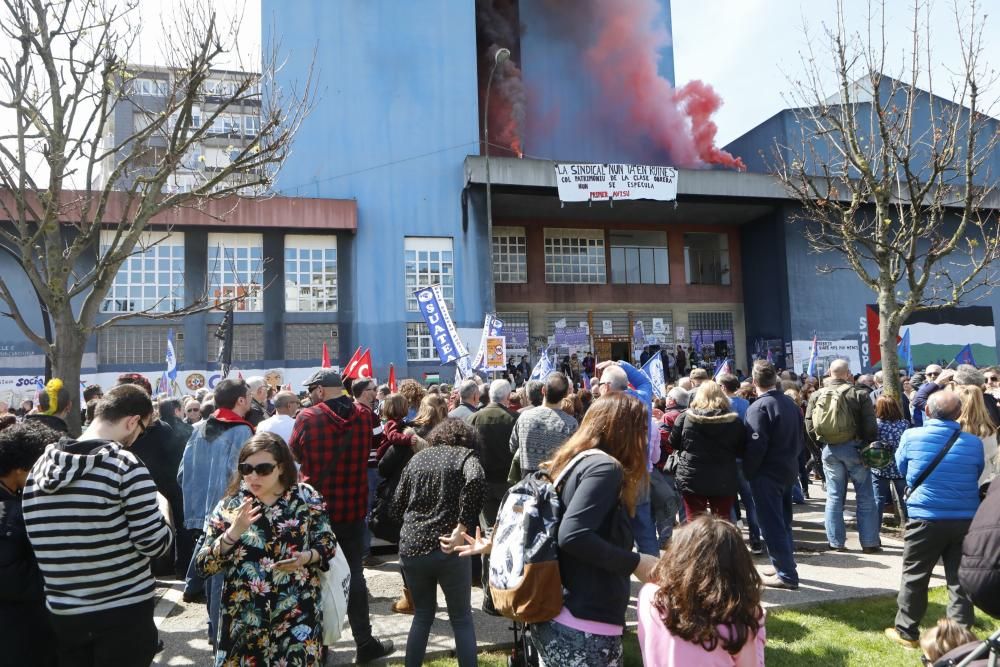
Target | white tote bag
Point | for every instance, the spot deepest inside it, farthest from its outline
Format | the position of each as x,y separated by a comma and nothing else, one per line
333,595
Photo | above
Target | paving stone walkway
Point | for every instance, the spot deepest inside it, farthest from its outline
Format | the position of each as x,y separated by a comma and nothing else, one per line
824,575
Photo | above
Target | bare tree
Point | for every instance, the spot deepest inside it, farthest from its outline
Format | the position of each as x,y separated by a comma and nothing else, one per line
64,179
893,180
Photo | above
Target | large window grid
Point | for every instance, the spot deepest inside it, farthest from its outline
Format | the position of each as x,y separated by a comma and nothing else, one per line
235,268
310,273
574,256
429,261
419,344
248,343
510,255
639,258
706,259
151,280
304,342
705,328
136,344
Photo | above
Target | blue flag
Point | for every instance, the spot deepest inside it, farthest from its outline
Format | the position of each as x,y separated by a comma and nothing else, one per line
905,353
432,305
654,371
964,356
542,368
813,357
171,358
724,367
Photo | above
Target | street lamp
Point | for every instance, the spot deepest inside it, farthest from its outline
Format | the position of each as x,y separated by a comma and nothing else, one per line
499,58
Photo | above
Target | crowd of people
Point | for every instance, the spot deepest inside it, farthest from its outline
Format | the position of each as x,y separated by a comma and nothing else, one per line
247,493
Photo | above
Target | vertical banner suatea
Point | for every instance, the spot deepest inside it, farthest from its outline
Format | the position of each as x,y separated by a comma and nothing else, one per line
443,332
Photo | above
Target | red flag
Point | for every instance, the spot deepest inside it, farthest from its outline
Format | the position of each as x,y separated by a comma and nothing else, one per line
349,368
326,357
363,369
392,379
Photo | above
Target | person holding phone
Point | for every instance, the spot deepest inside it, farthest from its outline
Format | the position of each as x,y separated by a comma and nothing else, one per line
270,537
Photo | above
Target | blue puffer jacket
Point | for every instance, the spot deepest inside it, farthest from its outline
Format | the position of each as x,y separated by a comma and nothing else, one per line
951,491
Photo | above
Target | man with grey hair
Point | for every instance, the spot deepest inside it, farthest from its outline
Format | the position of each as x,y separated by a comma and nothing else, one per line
685,383
539,431
258,400
940,506
468,394
495,422
286,404
847,407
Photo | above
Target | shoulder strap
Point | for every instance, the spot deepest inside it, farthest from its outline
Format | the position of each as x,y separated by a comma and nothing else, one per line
843,389
929,469
572,464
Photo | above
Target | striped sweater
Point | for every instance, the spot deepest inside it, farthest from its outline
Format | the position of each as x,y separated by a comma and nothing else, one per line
91,513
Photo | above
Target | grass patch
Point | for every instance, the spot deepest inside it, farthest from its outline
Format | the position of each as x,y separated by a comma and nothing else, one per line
847,633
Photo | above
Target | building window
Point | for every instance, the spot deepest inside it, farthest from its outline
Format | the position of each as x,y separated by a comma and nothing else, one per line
235,267
712,333
429,261
510,255
706,259
419,345
304,342
639,258
151,280
251,125
248,343
310,273
137,344
575,256
149,87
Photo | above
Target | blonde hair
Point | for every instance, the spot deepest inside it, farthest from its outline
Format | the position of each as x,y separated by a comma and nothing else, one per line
709,396
946,636
433,410
974,418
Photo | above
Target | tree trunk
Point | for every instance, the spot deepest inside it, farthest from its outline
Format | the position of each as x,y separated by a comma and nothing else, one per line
888,329
66,363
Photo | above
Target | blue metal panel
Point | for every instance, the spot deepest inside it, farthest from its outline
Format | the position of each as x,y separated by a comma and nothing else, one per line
396,114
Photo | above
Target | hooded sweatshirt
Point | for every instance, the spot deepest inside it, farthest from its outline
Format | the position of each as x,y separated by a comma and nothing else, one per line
92,518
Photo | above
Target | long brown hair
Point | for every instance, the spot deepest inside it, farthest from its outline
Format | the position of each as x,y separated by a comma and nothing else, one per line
707,579
619,425
433,410
274,445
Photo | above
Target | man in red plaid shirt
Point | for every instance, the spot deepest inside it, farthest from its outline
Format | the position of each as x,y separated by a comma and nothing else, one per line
331,441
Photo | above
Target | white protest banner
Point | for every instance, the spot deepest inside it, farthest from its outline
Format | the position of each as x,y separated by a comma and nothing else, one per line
827,351
681,333
658,326
607,327
603,182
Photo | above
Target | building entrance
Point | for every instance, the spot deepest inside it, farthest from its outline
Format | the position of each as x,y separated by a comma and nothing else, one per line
614,348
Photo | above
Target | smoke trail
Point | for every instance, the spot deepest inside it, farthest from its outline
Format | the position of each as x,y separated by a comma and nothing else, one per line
496,21
620,42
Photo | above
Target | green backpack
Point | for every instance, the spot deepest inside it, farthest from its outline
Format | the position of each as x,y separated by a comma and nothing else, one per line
831,415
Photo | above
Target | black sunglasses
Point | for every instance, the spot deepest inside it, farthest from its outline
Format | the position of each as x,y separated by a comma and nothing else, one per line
262,469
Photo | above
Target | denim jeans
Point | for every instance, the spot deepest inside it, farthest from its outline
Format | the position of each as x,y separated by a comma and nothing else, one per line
774,512
194,584
374,479
746,497
423,575
665,499
840,463
643,529
213,601
883,493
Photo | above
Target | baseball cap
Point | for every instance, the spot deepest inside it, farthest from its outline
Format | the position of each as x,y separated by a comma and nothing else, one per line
324,377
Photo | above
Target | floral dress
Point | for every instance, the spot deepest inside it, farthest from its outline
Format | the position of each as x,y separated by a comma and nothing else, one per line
889,434
269,617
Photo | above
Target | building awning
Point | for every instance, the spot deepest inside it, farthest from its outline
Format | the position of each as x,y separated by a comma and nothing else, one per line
230,211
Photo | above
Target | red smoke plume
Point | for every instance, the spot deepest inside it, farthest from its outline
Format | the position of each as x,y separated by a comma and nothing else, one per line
624,57
498,28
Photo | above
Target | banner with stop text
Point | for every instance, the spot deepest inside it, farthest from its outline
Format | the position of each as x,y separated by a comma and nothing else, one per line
443,332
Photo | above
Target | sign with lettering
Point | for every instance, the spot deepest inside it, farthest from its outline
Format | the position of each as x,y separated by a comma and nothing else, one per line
606,182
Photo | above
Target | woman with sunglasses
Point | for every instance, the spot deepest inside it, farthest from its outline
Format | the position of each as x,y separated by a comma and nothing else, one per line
270,536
